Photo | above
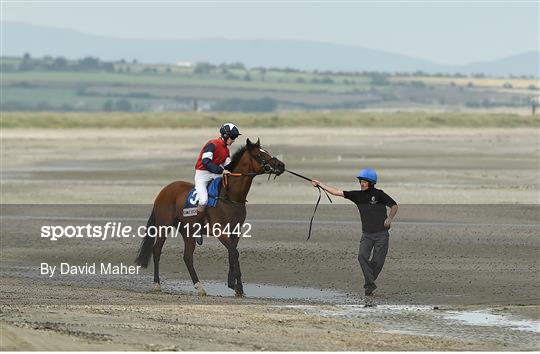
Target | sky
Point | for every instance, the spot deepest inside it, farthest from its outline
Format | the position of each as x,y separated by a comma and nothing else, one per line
450,32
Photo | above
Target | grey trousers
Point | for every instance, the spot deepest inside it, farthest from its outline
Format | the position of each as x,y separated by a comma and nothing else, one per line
378,243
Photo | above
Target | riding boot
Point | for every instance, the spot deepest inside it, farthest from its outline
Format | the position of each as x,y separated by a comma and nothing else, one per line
201,219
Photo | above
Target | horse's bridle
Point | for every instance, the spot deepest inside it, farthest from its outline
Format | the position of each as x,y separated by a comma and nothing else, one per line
267,169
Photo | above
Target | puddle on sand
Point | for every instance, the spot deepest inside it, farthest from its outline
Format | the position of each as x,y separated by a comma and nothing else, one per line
466,325
482,318
266,292
347,306
479,325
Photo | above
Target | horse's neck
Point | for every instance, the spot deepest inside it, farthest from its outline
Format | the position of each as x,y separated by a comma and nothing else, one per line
238,187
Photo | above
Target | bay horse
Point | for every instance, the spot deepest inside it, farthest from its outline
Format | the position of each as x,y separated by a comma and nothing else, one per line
249,161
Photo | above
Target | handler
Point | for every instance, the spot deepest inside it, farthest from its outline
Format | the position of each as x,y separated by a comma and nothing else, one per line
371,203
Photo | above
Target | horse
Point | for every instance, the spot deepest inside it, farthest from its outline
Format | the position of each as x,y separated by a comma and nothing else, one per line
249,161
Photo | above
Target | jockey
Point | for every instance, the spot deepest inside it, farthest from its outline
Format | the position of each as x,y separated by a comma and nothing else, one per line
212,162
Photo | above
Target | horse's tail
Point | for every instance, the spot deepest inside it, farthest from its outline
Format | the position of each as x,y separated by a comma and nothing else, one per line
147,245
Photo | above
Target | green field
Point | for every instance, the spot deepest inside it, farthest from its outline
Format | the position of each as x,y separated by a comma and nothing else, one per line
271,82
298,119
134,87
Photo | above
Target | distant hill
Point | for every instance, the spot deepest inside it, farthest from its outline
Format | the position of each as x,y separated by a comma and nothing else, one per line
521,64
19,38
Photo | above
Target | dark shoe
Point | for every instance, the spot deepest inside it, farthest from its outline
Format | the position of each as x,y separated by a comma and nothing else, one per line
370,289
201,219
199,240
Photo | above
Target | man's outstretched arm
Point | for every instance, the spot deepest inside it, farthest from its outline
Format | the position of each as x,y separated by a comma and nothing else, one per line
331,190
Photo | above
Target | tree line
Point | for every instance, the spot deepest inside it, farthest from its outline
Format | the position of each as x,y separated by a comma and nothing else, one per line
27,63
49,63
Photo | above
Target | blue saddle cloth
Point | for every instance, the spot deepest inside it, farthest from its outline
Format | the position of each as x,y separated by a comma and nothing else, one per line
213,193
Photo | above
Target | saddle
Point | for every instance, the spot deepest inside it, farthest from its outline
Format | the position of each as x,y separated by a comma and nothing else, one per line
190,206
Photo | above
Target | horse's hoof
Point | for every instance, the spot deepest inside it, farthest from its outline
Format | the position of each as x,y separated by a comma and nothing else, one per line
156,287
239,294
200,289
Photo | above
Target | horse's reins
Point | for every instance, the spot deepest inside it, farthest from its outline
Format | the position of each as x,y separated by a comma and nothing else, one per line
268,169
318,199
225,180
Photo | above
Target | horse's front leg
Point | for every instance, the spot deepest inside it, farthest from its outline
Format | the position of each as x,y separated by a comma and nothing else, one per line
234,269
234,281
189,249
239,289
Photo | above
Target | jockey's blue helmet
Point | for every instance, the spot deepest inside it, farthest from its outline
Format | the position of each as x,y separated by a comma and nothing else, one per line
368,174
229,129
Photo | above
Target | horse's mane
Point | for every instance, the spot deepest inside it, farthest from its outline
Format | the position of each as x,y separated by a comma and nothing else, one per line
236,157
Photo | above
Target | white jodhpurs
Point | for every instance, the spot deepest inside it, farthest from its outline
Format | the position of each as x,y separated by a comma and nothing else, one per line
202,179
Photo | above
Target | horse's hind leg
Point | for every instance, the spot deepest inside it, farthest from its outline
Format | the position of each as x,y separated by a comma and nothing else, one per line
157,255
189,249
164,220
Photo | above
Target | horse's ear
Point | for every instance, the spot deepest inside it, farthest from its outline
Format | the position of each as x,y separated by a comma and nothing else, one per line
258,143
249,144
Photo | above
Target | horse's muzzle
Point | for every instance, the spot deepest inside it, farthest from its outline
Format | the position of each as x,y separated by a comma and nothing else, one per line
279,168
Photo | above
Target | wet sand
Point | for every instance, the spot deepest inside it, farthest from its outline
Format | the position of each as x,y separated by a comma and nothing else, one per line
119,320
459,244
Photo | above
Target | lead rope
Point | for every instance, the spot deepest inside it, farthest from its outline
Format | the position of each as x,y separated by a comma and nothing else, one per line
316,204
